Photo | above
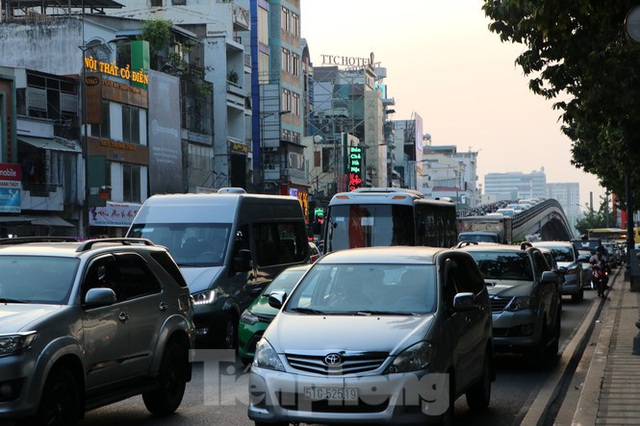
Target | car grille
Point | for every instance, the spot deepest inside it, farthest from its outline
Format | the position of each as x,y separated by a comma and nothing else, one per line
351,364
292,401
499,303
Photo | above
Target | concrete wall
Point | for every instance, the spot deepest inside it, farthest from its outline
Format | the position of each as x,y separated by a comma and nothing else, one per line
50,47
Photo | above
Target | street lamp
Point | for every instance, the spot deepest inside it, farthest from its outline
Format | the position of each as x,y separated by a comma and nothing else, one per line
263,117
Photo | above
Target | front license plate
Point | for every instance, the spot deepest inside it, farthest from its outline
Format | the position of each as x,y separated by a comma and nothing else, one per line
331,394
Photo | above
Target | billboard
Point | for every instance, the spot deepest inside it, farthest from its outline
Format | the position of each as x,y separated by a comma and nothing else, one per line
10,186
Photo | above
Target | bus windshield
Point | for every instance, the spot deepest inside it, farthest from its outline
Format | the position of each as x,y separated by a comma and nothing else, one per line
366,225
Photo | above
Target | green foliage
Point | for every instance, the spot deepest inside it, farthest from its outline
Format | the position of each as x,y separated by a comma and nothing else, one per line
158,33
602,218
578,54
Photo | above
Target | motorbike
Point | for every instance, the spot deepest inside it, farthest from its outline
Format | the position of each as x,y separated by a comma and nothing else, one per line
599,279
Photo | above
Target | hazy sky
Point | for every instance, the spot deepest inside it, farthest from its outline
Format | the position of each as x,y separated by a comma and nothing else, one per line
445,65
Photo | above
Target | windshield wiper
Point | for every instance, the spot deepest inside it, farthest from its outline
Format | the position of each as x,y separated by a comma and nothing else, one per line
366,313
308,311
6,300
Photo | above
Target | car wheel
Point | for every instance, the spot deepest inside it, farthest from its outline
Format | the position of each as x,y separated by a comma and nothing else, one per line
60,403
578,296
172,381
479,395
536,356
227,333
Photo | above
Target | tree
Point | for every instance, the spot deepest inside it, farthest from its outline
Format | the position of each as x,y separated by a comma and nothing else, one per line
578,53
595,219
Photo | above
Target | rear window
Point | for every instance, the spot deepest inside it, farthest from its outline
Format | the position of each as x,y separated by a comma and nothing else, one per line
504,266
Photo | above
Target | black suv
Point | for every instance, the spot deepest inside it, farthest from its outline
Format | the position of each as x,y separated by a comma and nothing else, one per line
525,298
86,324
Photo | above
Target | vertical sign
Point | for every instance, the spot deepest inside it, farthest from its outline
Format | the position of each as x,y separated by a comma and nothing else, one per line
355,167
10,187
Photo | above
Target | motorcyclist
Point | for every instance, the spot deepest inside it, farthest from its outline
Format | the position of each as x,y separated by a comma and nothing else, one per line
599,260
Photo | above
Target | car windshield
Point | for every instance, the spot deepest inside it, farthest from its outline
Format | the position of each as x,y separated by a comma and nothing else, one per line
365,289
285,280
504,266
190,244
37,279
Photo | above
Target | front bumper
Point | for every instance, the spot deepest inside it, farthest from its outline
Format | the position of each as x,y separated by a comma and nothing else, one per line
515,331
404,398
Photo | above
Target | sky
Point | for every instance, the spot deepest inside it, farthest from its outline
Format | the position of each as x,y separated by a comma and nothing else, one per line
445,65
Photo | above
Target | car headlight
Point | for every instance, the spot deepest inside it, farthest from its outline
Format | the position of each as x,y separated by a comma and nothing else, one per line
519,304
13,343
248,318
204,297
415,357
267,357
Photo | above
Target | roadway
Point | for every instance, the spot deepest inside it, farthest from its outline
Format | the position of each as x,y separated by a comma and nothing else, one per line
218,393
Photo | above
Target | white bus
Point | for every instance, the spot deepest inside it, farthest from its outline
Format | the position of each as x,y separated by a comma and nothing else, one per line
387,217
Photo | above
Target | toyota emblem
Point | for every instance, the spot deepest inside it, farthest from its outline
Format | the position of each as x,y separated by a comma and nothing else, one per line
333,359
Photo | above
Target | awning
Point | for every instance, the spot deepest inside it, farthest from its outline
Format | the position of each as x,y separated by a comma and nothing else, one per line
57,144
51,221
37,220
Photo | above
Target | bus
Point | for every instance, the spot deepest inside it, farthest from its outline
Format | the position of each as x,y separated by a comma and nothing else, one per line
368,217
616,234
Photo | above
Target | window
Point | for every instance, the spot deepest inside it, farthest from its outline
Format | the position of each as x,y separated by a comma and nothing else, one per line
130,124
136,279
131,183
280,243
295,24
286,60
295,104
156,3
102,130
295,64
284,19
286,100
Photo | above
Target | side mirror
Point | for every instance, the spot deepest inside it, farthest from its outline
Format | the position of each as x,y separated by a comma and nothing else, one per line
464,302
549,277
277,298
101,296
563,270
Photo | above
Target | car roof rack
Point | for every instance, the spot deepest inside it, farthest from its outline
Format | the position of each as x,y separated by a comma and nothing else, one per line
37,239
88,244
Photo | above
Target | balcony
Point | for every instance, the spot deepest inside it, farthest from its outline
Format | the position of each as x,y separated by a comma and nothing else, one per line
42,197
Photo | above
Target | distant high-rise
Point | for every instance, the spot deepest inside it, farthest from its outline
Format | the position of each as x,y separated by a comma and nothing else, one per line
515,185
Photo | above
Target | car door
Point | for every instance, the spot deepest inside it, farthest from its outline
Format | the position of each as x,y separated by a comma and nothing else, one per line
145,306
548,295
465,356
105,331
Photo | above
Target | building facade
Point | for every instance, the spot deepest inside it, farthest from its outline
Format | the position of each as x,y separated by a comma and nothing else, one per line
515,185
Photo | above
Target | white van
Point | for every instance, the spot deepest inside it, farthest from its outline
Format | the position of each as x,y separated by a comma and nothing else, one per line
229,246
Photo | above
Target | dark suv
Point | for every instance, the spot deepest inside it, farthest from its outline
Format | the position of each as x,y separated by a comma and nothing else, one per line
86,324
525,299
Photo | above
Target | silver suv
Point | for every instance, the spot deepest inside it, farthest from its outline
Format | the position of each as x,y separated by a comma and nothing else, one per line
86,324
525,299
389,335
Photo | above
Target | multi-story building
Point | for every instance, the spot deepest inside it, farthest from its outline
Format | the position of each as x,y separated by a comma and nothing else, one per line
134,108
349,105
568,195
219,58
515,185
449,173
278,103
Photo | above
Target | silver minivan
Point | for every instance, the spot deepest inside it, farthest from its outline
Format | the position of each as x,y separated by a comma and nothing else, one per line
388,335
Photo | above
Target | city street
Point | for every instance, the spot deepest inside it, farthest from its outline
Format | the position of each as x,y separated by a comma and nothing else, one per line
223,401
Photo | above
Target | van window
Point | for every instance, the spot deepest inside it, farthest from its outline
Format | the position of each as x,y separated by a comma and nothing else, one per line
280,243
190,244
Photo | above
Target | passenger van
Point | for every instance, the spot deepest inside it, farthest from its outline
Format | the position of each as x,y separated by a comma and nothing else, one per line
229,246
